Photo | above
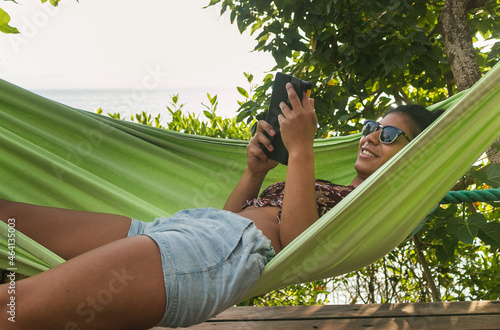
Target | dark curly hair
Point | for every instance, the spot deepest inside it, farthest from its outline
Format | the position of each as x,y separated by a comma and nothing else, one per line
419,116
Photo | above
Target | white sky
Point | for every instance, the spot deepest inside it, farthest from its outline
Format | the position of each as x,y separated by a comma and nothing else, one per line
125,43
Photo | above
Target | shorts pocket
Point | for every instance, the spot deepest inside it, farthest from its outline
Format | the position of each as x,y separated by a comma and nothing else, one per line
201,239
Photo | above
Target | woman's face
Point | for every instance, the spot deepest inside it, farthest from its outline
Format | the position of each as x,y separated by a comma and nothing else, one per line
372,153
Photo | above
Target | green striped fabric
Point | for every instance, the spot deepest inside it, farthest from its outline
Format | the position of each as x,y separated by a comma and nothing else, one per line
54,155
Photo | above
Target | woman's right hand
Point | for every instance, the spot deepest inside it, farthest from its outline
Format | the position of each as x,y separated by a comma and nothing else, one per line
257,160
258,164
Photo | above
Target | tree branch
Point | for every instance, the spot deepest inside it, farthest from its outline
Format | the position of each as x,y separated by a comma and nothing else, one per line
425,266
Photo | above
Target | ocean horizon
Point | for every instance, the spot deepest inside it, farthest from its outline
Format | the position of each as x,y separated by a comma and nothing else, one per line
127,102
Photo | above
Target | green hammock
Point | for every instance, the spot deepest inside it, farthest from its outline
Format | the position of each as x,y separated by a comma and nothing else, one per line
54,155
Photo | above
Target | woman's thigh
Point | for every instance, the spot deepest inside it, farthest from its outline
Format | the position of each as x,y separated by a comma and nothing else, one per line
67,233
117,286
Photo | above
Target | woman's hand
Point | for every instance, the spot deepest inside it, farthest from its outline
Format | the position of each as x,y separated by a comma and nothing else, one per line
258,164
298,126
257,160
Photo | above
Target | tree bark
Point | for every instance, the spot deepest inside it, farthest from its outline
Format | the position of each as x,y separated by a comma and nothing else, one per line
458,41
494,154
459,49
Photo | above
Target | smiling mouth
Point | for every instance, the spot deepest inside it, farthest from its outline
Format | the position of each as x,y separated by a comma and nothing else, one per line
368,153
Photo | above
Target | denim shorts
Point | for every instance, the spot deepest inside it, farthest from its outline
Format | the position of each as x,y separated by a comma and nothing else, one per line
210,259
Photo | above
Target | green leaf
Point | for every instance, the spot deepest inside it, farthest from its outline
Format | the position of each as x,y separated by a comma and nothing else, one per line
496,145
213,100
243,92
343,118
212,2
257,25
491,234
493,175
481,176
249,76
4,23
208,114
467,229
446,251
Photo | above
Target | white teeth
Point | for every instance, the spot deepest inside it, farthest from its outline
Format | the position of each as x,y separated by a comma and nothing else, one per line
366,152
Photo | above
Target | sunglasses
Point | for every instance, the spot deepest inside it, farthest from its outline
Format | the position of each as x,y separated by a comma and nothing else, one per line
388,134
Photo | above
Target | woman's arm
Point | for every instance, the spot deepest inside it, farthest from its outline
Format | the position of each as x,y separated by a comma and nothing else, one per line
258,165
298,129
247,188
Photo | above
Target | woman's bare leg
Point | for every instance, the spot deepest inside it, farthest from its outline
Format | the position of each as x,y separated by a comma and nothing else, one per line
117,286
67,233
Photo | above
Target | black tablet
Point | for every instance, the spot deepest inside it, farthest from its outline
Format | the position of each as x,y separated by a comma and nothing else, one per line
279,95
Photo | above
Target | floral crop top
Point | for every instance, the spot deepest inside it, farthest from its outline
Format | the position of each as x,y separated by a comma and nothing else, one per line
327,196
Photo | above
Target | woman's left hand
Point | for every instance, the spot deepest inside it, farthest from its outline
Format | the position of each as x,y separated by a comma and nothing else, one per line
298,126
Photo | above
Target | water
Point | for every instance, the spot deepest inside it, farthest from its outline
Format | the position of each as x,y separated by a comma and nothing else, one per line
131,101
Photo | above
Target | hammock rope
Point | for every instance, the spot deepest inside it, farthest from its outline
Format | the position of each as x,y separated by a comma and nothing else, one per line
472,196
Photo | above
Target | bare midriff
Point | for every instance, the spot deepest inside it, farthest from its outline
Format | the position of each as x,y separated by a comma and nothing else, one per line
266,219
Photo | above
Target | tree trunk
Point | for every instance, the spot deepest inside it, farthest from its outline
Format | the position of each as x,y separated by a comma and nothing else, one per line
459,49
494,154
458,41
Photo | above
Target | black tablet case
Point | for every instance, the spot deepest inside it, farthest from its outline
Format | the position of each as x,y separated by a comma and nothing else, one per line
279,95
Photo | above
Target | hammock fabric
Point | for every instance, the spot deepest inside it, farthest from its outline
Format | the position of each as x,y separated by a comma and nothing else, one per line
54,155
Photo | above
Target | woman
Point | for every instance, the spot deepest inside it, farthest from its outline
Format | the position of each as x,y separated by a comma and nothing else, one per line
127,274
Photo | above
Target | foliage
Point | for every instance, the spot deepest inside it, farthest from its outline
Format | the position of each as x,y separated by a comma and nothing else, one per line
312,293
5,17
362,56
4,23
216,126
462,247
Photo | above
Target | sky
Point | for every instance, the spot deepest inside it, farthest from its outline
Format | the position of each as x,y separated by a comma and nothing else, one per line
124,43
